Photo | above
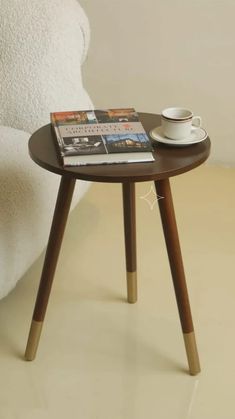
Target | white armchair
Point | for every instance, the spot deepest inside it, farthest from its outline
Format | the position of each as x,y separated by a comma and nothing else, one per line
42,47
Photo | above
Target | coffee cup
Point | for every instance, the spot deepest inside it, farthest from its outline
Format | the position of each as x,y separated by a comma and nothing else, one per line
177,123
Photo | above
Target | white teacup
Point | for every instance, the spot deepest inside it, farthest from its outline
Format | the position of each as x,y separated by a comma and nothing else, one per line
177,123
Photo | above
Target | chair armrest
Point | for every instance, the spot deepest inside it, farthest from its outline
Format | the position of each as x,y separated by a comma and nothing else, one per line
27,199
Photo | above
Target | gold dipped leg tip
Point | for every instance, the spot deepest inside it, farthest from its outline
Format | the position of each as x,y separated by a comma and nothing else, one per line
192,353
33,340
131,287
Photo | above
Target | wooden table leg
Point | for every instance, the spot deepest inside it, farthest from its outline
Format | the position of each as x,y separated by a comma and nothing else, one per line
128,190
52,253
177,271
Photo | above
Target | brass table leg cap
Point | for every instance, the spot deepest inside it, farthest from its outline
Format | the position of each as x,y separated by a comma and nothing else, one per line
192,354
131,287
33,340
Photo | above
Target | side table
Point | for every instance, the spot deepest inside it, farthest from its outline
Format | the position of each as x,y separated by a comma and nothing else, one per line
169,162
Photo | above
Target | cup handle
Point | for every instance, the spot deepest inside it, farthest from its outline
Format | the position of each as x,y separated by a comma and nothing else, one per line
197,121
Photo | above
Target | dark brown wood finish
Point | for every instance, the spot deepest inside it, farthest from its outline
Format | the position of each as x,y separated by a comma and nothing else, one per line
129,215
174,253
64,198
169,161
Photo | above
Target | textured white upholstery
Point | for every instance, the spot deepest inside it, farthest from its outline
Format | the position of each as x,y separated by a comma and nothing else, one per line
42,46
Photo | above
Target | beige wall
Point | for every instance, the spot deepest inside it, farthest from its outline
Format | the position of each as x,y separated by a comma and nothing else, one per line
152,54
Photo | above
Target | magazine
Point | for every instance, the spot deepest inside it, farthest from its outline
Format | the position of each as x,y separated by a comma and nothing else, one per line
101,137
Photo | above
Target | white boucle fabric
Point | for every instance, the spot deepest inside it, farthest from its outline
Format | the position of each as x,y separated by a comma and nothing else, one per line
42,46
27,199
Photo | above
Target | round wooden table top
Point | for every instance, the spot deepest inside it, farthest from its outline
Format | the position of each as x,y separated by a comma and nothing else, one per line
169,161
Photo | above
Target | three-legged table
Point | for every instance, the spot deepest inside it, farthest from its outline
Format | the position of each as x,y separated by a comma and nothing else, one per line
169,162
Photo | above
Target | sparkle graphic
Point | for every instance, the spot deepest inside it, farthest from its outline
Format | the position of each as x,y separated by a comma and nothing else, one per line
151,197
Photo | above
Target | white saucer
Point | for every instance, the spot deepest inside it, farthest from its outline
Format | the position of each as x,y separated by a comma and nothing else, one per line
197,135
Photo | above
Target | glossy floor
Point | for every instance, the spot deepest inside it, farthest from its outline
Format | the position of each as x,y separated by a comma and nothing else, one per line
101,358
